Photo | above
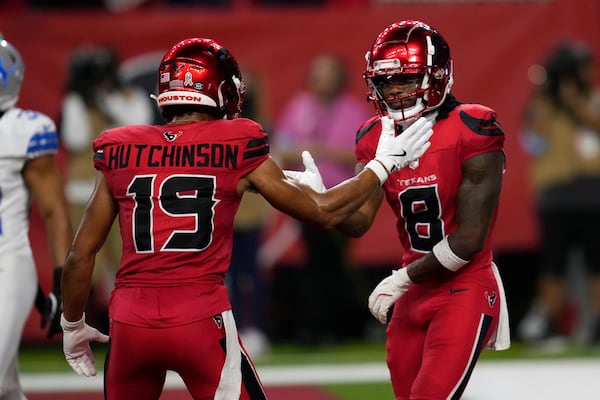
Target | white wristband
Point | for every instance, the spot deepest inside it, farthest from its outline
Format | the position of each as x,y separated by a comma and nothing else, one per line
71,325
400,277
379,170
446,256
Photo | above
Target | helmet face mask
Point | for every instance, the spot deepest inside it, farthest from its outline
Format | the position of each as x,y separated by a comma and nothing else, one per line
415,59
199,72
399,93
12,72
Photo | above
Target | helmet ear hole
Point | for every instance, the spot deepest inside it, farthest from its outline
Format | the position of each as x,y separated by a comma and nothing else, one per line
437,72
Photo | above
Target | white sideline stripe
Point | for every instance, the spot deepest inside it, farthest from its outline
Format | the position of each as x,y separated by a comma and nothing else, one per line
491,380
270,376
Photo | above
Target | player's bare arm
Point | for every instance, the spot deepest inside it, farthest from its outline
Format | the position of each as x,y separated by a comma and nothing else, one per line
360,222
326,209
93,230
77,279
477,198
44,181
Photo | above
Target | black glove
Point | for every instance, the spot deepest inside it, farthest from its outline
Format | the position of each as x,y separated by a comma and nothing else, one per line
50,307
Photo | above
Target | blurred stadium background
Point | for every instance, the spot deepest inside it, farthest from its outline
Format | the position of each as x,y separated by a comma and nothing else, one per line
494,44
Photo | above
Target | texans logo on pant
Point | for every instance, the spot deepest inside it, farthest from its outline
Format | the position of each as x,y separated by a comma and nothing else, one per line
491,298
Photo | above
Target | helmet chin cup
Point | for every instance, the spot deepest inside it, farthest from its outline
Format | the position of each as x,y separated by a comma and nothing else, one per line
404,114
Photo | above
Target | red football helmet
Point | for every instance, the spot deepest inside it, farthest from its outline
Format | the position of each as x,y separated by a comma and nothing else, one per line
409,50
201,72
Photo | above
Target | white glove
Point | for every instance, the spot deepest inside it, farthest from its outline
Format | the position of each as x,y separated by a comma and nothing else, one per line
395,152
76,345
387,292
310,176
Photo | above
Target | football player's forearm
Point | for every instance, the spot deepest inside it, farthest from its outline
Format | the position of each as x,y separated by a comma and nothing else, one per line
355,226
360,222
341,202
60,235
76,283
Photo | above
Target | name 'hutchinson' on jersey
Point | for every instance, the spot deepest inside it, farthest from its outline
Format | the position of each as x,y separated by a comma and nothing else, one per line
233,143
215,155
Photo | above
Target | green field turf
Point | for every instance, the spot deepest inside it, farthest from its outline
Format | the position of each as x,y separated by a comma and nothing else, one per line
49,357
362,391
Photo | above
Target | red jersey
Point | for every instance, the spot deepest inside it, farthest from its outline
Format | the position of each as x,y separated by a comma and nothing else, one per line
176,189
423,195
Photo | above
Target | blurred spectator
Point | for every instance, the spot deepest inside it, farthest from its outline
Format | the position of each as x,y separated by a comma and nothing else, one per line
323,119
562,135
246,280
96,100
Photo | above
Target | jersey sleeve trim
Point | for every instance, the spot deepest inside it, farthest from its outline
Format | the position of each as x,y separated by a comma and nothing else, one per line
366,128
480,126
42,143
256,148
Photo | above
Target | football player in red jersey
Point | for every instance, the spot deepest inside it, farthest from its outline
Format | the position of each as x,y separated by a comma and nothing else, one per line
443,306
175,189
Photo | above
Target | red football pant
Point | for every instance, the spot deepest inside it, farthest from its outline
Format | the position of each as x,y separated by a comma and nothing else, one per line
139,357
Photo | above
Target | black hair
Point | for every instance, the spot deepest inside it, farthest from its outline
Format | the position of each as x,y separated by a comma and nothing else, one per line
449,104
565,63
91,68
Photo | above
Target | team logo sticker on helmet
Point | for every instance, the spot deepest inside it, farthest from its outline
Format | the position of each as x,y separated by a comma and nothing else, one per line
6,72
